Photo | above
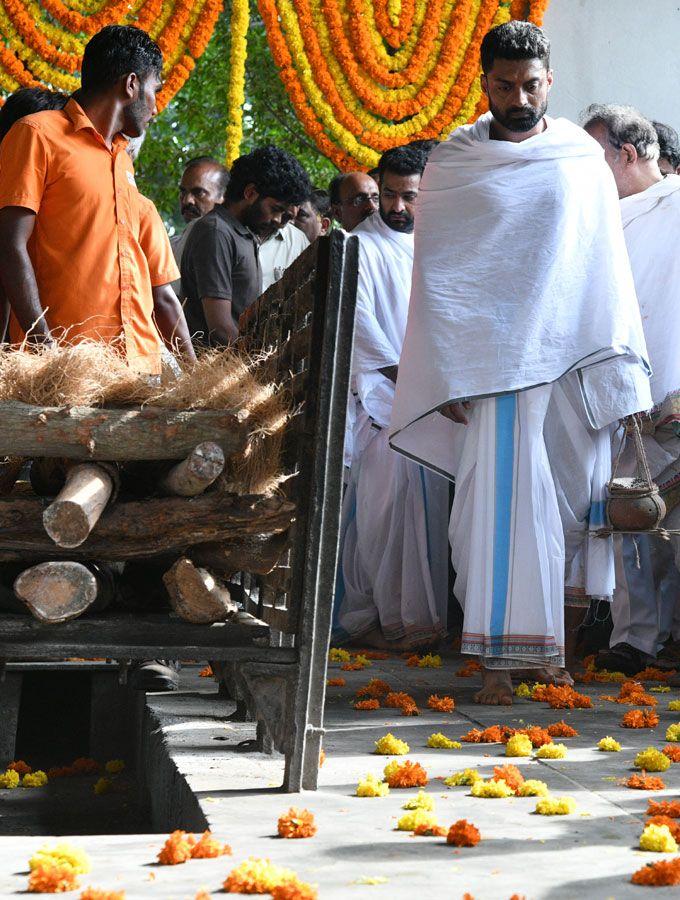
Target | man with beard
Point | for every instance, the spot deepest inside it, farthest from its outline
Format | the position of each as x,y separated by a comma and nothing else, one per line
71,259
392,588
221,273
354,197
523,345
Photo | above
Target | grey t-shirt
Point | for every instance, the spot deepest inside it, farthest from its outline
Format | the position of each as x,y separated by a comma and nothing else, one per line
220,261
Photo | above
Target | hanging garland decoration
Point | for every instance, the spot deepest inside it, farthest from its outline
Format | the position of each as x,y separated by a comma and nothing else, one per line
42,41
240,20
367,75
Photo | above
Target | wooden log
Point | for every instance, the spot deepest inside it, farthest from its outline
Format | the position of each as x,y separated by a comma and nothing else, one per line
196,595
10,469
75,511
57,591
47,476
257,554
197,472
139,529
85,433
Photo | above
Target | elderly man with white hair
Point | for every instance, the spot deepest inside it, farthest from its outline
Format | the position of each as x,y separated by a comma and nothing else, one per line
646,611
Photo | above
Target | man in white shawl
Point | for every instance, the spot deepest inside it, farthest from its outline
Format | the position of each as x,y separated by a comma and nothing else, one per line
646,609
523,346
393,573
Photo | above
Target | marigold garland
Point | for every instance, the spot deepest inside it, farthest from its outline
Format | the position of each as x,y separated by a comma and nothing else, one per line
240,20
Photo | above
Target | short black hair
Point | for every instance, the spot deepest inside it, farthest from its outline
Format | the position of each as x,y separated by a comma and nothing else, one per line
222,170
334,189
274,172
26,101
320,202
669,143
407,160
515,40
115,51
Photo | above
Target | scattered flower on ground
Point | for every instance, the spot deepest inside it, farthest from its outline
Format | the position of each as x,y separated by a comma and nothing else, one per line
560,696
519,745
658,839
523,691
91,893
673,732
337,654
664,808
511,775
114,766
429,831
367,704
61,854
10,779
336,682
466,777
402,701
84,765
206,672
556,806
177,849
609,745
673,825
640,718
660,689
533,788
297,823
463,834
388,745
633,694
674,705
492,789
652,760
664,873
562,729
422,800
430,661
34,779
439,741
645,783
371,786
551,751
441,704
673,753
208,847
494,734
20,767
102,786
405,775
416,818
294,890
257,876
52,879
469,669
375,689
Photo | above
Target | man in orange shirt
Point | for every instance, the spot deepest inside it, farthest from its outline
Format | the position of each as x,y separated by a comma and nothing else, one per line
71,260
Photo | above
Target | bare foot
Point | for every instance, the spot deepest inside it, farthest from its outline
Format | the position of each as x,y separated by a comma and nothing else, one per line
496,688
544,675
377,640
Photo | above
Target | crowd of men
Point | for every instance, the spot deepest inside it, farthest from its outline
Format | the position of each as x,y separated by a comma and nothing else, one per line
516,301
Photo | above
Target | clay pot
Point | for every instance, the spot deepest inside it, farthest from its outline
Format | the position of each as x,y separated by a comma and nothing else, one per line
633,507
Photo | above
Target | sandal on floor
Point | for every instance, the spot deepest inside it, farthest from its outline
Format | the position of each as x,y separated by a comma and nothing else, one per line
623,658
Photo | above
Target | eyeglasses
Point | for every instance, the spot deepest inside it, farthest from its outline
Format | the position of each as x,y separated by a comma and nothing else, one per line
361,199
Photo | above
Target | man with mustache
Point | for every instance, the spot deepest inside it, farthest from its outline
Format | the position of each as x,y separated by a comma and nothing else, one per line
392,589
524,346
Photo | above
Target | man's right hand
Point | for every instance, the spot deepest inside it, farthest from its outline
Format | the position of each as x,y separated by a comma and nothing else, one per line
456,411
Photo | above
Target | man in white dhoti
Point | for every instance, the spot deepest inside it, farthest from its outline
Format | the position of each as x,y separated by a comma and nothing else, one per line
393,574
523,345
646,608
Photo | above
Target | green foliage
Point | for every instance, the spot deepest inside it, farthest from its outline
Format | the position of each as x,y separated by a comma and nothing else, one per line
194,122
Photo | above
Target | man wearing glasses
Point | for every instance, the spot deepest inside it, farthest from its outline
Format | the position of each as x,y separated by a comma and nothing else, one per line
354,197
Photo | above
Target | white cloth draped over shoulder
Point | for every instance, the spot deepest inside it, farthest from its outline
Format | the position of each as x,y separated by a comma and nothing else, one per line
520,276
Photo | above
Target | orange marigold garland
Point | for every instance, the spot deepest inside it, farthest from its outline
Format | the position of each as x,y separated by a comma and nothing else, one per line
645,783
463,834
441,704
561,729
297,823
669,808
561,696
659,874
672,751
640,718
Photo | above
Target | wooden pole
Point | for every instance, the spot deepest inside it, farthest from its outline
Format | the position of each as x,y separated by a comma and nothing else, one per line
197,472
196,596
75,511
57,591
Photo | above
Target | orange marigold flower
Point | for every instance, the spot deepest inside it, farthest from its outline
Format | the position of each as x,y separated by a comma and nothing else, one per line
640,718
177,849
492,735
463,834
373,654
659,874
672,751
61,772
207,672
297,823
538,736
202,895
511,775
46,879
398,699
441,704
376,688
413,660
294,890
673,825
561,729
670,808
20,767
561,696
367,704
645,783
85,766
410,709
633,694
651,673
208,847
470,668
352,667
407,775
430,831
95,894
336,682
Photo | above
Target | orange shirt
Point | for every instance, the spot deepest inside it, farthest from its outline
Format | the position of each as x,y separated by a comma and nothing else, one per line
91,270
155,244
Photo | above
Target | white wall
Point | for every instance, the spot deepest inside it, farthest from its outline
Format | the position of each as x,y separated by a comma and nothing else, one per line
616,51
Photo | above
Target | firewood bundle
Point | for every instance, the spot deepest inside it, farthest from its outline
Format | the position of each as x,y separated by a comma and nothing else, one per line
104,468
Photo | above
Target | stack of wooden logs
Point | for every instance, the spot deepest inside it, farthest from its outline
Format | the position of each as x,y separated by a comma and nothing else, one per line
110,488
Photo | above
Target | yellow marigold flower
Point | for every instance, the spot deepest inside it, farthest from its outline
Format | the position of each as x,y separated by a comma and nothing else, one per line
466,777
551,751
538,688
533,788
430,661
61,854
416,817
658,839
439,741
50,879
337,654
523,691
608,745
652,760
519,745
362,661
103,786
10,779
673,732
673,705
422,800
372,787
493,788
257,876
660,689
556,806
114,766
34,779
388,745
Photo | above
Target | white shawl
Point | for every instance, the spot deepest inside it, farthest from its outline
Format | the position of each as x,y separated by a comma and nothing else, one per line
651,225
520,275
385,267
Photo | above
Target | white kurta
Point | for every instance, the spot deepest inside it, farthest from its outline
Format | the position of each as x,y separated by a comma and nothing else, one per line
523,302
393,558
